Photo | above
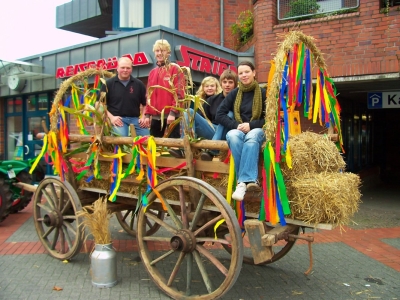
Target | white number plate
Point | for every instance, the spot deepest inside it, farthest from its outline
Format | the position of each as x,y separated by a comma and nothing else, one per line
11,174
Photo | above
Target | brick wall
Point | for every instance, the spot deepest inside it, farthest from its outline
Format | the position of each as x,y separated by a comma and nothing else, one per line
2,130
202,19
359,43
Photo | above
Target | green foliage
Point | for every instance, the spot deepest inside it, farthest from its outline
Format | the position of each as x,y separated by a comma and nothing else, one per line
243,28
302,7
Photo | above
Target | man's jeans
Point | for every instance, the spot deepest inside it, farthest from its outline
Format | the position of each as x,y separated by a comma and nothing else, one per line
124,130
245,149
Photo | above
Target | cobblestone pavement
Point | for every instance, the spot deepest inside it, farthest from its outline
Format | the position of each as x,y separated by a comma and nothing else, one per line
362,262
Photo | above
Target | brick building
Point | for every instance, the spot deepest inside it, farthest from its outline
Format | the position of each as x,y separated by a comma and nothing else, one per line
360,41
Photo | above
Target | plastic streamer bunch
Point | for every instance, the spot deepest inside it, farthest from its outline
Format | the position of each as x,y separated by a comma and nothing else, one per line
83,98
290,86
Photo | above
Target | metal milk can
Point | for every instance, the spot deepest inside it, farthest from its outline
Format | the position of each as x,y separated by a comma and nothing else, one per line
104,266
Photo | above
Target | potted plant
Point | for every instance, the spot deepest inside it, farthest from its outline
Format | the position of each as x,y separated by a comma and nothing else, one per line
96,218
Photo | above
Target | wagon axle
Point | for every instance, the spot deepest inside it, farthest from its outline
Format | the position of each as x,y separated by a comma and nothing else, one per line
184,241
53,219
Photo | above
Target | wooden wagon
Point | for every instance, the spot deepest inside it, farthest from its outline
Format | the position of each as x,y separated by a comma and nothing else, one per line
181,228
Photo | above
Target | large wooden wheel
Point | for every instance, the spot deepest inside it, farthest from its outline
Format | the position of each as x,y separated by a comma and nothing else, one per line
128,221
176,257
55,205
280,249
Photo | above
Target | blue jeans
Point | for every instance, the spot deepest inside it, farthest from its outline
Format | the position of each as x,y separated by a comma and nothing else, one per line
245,148
220,134
124,130
201,127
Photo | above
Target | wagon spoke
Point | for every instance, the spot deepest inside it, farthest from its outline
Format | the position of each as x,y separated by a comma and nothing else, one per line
55,239
165,255
70,227
203,272
208,224
62,241
176,268
173,215
53,193
212,259
66,206
62,196
183,208
156,239
160,222
197,213
189,271
44,207
212,240
48,198
50,230
67,237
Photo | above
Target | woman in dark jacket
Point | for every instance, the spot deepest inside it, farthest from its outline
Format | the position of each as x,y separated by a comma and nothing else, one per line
245,136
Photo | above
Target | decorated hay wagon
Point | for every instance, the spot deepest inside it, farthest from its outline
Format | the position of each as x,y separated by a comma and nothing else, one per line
180,210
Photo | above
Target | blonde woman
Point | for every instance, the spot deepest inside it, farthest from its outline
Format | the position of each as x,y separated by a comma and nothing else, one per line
209,87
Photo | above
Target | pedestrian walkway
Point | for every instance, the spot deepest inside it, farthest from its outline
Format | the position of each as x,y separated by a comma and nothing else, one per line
352,263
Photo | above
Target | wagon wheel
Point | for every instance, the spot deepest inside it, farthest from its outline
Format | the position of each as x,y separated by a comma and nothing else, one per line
24,197
5,199
4,205
183,267
127,219
55,206
280,249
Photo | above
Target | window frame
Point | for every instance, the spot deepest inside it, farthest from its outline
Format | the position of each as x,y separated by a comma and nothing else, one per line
147,16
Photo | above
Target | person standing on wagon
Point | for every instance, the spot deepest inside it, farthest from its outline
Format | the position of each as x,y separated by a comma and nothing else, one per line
169,76
246,135
125,99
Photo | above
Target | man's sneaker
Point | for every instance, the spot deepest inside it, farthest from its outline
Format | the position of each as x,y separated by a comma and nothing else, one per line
207,156
240,191
253,187
177,153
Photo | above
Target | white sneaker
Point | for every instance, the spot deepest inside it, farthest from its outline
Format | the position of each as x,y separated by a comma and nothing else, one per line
240,191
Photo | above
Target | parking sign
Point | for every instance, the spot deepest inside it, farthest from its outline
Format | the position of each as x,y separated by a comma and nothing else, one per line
378,100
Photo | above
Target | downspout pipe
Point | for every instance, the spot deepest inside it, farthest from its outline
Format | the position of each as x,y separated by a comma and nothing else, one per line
221,18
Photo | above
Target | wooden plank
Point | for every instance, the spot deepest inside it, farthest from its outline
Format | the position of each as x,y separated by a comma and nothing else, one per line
255,230
269,238
26,186
167,142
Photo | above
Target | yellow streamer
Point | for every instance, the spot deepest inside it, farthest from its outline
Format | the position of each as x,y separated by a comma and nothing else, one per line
231,178
40,154
216,226
316,102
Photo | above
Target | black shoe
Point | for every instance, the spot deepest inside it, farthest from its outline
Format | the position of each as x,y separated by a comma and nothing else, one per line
177,153
206,156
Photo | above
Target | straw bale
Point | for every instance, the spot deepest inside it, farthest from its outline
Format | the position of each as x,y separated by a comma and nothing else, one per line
331,198
312,153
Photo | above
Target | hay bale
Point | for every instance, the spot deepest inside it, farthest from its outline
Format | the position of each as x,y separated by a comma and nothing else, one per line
312,153
331,198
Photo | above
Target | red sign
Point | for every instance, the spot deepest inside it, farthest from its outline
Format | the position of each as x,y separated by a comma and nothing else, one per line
202,61
138,59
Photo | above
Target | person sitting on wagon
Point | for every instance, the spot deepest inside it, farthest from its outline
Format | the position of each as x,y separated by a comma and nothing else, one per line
246,135
228,81
164,74
209,87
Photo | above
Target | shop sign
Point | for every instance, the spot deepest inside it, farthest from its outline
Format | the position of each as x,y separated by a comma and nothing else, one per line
138,59
378,100
202,61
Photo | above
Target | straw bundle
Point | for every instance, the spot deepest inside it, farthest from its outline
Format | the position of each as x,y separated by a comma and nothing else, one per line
65,85
312,153
291,38
324,198
96,218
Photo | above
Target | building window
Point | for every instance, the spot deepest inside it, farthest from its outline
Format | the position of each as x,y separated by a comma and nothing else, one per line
298,10
136,14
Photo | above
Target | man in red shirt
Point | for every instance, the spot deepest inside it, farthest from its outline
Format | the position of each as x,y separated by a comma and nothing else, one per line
169,76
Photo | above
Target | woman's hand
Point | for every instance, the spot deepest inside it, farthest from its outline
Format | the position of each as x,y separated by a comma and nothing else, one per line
170,119
244,127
